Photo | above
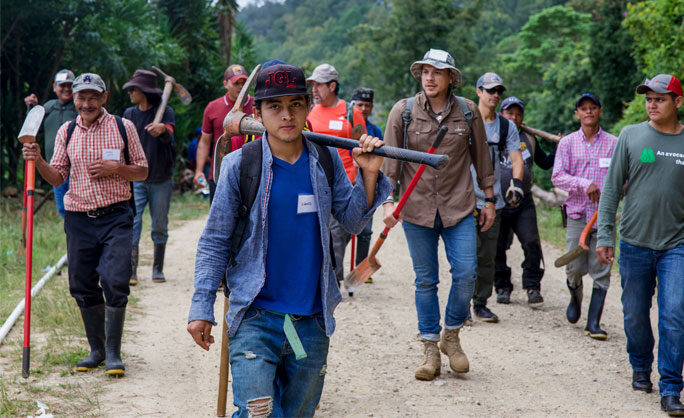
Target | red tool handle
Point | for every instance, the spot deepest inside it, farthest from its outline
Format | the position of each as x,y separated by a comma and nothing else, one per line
586,230
353,253
30,184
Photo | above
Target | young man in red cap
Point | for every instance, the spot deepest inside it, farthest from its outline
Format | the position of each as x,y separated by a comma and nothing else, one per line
212,124
157,188
282,291
649,158
581,164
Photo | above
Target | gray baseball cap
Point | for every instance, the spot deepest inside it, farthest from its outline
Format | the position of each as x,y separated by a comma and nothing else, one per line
64,76
489,81
662,83
89,81
439,59
324,73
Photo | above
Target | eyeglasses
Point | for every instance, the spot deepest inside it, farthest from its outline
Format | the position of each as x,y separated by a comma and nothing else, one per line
496,90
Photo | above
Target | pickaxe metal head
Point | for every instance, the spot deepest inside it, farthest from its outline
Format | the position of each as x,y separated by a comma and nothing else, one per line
182,93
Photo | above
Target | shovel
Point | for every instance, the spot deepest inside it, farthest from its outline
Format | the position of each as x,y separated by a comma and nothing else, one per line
370,264
28,135
581,247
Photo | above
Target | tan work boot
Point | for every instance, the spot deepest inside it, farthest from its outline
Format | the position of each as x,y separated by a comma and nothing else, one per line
451,346
432,362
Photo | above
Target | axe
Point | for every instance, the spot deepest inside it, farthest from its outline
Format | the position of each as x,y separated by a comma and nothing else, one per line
169,84
28,135
540,133
581,248
236,123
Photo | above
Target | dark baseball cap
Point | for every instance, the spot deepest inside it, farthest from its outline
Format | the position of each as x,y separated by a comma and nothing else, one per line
512,101
662,83
235,72
363,94
280,80
588,96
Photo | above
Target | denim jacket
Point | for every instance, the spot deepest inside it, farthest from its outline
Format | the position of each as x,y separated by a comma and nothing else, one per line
347,203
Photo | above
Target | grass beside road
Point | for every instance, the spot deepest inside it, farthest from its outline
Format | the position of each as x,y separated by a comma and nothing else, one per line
57,335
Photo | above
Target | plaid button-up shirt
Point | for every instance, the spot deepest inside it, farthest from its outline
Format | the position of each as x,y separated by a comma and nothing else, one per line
86,146
580,163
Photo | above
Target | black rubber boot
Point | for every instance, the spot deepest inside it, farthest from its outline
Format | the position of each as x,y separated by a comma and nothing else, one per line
94,324
362,248
575,307
598,297
114,323
158,264
134,266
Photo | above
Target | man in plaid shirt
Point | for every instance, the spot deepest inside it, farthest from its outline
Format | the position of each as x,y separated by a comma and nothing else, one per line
99,219
582,161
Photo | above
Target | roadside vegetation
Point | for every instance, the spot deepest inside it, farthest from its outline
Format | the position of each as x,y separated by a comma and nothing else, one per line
57,337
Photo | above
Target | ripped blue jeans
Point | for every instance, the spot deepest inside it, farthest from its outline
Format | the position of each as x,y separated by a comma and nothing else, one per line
267,379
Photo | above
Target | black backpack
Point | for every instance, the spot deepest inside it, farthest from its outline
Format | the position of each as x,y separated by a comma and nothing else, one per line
127,158
250,178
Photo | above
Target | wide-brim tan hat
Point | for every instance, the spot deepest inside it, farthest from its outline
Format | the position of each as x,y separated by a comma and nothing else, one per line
439,59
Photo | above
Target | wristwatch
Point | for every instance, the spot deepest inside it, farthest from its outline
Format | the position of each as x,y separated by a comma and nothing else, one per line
490,200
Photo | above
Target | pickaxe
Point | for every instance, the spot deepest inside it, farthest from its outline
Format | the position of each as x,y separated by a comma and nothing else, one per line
581,248
169,84
28,135
540,133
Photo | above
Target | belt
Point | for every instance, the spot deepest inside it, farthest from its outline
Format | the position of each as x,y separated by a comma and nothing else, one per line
291,333
96,213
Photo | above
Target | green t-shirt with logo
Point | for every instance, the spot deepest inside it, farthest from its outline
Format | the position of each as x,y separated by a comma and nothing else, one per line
652,165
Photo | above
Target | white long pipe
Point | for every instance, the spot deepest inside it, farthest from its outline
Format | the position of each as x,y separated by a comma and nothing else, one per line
20,307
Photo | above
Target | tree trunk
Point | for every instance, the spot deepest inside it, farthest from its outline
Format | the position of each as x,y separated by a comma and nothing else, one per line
226,14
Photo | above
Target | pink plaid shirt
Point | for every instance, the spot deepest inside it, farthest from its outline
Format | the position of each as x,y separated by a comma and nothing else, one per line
86,146
578,164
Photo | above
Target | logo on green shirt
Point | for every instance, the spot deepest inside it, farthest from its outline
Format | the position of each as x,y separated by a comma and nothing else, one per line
647,156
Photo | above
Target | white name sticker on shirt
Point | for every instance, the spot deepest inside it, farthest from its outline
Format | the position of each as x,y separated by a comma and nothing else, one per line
306,204
526,154
111,154
604,162
335,124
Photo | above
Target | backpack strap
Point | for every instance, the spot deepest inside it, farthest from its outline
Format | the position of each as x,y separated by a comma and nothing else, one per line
503,135
467,113
406,118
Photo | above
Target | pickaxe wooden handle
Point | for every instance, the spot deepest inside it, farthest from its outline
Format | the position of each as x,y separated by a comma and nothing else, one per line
170,84
540,133
224,365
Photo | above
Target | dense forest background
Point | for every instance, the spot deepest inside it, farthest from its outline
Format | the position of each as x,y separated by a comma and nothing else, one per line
547,51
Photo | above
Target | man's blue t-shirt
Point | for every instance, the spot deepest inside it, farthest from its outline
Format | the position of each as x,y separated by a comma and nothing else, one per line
294,255
373,129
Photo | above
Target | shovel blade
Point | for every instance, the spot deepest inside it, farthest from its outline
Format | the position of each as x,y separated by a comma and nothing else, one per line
31,125
361,273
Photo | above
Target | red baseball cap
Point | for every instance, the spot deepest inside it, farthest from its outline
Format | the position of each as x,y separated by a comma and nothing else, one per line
234,73
662,83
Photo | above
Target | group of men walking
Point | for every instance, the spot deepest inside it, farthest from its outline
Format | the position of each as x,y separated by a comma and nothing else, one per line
282,295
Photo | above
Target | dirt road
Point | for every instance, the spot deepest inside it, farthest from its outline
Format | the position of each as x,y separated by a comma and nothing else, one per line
533,363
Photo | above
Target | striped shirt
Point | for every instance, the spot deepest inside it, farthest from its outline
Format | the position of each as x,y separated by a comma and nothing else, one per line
99,141
578,165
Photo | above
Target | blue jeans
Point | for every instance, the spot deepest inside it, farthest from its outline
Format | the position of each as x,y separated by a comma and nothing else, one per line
158,195
460,243
265,370
639,267
59,196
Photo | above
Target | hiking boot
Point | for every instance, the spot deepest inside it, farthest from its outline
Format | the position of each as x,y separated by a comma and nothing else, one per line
503,296
94,324
575,307
642,381
114,322
534,297
672,405
598,297
451,346
485,314
432,362
134,266
158,264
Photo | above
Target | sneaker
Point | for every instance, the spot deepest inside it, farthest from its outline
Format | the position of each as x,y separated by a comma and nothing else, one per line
534,297
503,296
369,280
485,314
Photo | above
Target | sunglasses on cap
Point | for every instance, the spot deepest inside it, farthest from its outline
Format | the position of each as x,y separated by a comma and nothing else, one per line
495,90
